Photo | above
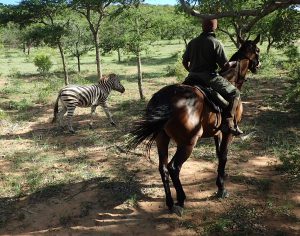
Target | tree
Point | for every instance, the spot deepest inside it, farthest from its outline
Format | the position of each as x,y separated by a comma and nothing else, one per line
113,32
280,29
79,40
53,15
180,25
243,15
94,12
141,29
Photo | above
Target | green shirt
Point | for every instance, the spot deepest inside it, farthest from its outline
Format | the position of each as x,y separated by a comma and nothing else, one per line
205,53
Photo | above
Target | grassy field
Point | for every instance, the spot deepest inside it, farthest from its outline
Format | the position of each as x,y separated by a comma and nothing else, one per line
56,183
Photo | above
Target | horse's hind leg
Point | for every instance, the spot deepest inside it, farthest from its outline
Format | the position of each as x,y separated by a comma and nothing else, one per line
162,142
222,150
174,167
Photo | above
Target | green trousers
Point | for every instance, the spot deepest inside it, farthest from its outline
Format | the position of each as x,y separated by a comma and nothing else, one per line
216,82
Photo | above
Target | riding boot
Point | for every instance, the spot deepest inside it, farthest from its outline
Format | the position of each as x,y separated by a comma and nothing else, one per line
231,126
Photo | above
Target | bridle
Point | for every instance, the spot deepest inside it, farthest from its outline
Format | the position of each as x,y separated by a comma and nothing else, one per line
253,63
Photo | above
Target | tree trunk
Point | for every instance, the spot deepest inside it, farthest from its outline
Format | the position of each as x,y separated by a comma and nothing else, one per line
140,75
78,62
62,54
119,55
139,62
185,42
24,48
98,59
270,43
28,49
78,57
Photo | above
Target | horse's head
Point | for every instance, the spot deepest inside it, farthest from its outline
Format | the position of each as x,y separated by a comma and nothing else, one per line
115,83
250,51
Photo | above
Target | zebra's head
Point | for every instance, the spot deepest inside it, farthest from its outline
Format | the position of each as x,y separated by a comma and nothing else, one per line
115,83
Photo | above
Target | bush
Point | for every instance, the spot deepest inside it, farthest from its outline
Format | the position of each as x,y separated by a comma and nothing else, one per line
292,53
177,70
22,105
43,63
293,66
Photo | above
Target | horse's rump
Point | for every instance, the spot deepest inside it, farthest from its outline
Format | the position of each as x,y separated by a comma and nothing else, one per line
180,111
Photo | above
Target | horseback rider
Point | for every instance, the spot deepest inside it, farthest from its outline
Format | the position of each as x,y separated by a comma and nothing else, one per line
201,59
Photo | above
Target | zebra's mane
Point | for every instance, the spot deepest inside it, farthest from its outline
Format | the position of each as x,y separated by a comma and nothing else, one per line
106,78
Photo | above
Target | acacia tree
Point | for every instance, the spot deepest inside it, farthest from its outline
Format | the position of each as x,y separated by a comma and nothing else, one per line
53,15
95,11
113,32
280,28
242,15
79,40
141,24
176,25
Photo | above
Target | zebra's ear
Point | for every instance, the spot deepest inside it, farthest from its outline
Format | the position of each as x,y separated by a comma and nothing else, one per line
112,75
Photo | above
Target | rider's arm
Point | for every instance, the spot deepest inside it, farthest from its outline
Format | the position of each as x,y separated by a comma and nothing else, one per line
221,57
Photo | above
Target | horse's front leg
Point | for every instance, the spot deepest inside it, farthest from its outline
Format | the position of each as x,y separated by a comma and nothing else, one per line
222,144
162,142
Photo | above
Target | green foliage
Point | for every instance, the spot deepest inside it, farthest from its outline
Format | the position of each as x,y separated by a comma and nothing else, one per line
177,70
268,63
22,105
3,114
293,65
43,63
291,162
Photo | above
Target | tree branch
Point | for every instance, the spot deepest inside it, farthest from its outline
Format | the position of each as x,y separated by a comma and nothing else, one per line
266,9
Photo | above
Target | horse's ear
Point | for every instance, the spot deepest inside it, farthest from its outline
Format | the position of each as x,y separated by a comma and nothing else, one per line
257,39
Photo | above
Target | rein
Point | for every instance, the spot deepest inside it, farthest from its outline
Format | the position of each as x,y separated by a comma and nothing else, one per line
240,79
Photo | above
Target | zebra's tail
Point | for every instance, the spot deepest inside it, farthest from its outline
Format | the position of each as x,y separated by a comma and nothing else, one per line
55,109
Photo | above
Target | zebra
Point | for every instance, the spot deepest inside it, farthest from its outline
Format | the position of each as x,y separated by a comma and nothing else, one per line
72,96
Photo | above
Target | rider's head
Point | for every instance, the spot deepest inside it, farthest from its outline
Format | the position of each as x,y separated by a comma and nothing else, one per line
209,25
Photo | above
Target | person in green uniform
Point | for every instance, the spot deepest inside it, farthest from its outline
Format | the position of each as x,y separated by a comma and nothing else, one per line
203,55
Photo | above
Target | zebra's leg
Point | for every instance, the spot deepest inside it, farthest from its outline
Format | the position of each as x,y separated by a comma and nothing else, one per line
108,114
61,114
70,114
93,110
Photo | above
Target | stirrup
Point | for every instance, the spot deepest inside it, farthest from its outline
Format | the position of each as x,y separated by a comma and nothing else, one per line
235,131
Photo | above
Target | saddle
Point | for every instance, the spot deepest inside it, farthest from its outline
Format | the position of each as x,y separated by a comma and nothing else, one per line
213,98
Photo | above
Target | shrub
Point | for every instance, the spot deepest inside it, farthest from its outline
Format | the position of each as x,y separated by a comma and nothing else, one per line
293,92
22,105
43,63
177,70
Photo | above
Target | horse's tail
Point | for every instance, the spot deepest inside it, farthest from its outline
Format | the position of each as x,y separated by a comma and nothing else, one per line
55,111
148,127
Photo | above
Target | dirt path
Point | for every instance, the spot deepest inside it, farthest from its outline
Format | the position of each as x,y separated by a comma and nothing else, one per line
262,201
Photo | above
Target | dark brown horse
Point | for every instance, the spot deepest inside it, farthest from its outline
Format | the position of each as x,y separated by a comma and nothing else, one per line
180,112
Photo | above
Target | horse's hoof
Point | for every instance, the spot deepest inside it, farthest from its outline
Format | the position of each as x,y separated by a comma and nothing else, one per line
178,210
222,194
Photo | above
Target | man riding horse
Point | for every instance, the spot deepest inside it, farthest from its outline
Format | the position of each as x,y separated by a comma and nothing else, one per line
201,59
